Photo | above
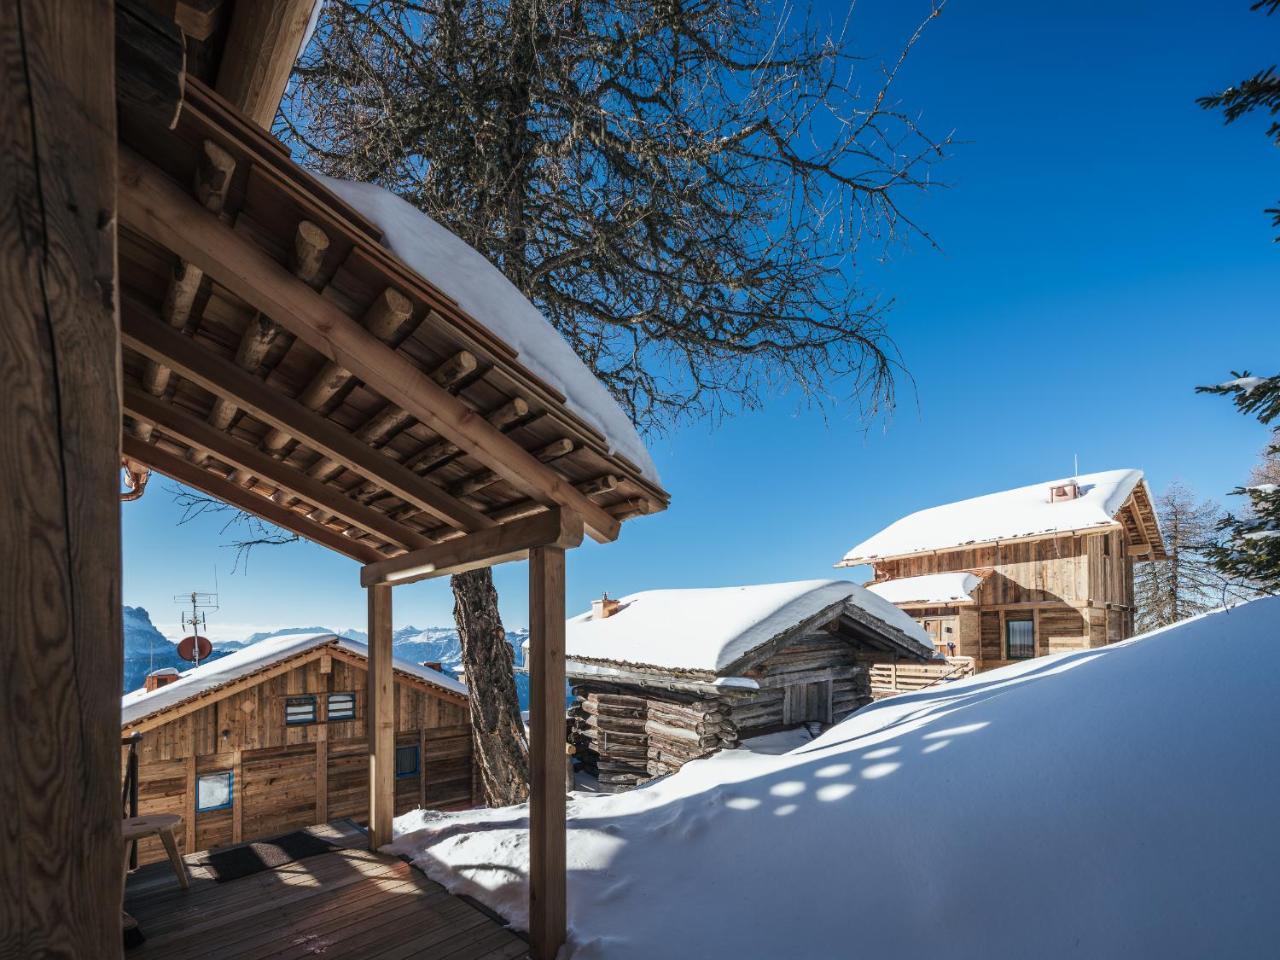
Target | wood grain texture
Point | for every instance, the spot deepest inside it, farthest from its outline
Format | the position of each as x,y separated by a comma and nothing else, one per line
260,51
547,851
60,643
381,719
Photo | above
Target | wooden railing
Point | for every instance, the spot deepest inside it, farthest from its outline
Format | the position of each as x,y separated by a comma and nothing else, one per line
890,678
129,793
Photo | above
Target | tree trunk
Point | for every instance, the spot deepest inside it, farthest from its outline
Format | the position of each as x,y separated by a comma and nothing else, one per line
502,752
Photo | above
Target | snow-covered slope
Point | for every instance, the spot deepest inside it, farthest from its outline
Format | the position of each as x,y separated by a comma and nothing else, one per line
1111,803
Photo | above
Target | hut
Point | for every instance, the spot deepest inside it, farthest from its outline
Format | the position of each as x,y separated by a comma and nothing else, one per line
275,737
1039,569
181,296
662,677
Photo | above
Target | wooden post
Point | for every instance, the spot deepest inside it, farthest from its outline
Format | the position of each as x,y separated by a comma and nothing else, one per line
380,719
60,636
546,752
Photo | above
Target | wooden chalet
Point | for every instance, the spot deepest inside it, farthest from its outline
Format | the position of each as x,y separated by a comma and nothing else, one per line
1041,569
275,737
667,676
181,296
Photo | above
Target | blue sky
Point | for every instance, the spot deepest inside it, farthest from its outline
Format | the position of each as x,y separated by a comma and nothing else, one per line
1102,250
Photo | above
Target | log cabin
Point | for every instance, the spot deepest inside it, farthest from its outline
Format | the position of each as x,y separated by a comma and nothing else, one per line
1040,569
275,737
662,677
183,297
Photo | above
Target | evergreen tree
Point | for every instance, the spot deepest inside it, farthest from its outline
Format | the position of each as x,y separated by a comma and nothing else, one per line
1248,550
1258,92
1187,583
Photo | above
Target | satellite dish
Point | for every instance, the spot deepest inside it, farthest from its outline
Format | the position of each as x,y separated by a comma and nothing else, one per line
195,648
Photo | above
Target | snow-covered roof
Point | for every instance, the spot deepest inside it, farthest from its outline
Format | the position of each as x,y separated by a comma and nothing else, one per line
1024,512
492,300
932,588
710,628
1119,800
209,676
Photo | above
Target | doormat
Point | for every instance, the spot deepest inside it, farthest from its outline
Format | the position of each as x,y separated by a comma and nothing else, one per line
261,855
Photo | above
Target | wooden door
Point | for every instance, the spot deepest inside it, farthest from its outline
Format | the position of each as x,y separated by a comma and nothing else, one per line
279,791
807,702
933,627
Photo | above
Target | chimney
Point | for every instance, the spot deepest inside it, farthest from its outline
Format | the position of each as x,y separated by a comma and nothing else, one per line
435,665
604,608
1064,491
159,678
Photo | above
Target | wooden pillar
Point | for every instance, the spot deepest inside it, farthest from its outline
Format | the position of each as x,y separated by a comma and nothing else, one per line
546,752
60,633
380,719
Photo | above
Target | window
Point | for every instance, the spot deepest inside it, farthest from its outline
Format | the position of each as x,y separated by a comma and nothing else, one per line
1020,639
407,761
214,791
299,710
341,706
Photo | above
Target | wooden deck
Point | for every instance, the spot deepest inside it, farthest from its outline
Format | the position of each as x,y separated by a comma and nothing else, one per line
349,904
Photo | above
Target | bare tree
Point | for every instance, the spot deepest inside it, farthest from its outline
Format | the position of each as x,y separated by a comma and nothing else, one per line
683,188
1187,583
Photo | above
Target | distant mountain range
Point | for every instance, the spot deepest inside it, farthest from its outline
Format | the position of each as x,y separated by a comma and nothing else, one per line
146,648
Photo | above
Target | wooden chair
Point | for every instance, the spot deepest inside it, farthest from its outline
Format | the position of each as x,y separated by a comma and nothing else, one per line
160,825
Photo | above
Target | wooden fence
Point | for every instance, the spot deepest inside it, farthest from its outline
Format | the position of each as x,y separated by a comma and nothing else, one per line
890,678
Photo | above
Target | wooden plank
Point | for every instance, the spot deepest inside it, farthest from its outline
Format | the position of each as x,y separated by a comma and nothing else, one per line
237,798
60,648
155,206
511,541
260,51
381,719
223,378
151,64
184,471
197,433
547,853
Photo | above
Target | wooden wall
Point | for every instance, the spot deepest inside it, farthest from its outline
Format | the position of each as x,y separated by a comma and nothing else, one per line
278,770
1078,590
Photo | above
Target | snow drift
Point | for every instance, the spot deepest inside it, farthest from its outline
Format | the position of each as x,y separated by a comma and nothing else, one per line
1117,802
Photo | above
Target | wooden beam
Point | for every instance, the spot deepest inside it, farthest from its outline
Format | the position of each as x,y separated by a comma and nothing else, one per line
381,719
153,205
262,45
182,470
198,434
60,682
554,527
151,63
547,851
223,378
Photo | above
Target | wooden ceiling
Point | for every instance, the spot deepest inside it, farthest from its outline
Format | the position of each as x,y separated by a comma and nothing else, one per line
278,357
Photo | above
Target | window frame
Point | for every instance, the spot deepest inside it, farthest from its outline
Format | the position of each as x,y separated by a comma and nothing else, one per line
328,706
296,697
231,790
1008,639
417,761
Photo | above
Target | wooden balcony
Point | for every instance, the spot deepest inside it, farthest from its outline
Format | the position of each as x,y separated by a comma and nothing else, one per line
888,679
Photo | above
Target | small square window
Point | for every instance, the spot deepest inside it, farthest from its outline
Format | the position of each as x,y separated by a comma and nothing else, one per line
214,791
299,710
406,761
342,706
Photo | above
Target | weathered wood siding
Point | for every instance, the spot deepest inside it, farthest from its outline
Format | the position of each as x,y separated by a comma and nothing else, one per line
285,777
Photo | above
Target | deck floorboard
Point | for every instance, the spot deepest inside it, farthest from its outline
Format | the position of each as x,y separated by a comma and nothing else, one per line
348,904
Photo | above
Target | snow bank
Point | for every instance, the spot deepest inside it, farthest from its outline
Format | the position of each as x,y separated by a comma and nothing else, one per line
939,588
1110,803
258,656
708,629
493,301
1025,511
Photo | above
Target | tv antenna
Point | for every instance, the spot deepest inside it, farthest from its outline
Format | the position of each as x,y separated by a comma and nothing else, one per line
195,646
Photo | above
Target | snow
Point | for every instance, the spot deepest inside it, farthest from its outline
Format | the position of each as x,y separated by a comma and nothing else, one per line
492,300
164,672
1025,511
1266,489
213,674
1262,535
939,588
1109,803
710,628
1247,384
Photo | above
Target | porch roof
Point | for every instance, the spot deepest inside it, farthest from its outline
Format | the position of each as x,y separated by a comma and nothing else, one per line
932,589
